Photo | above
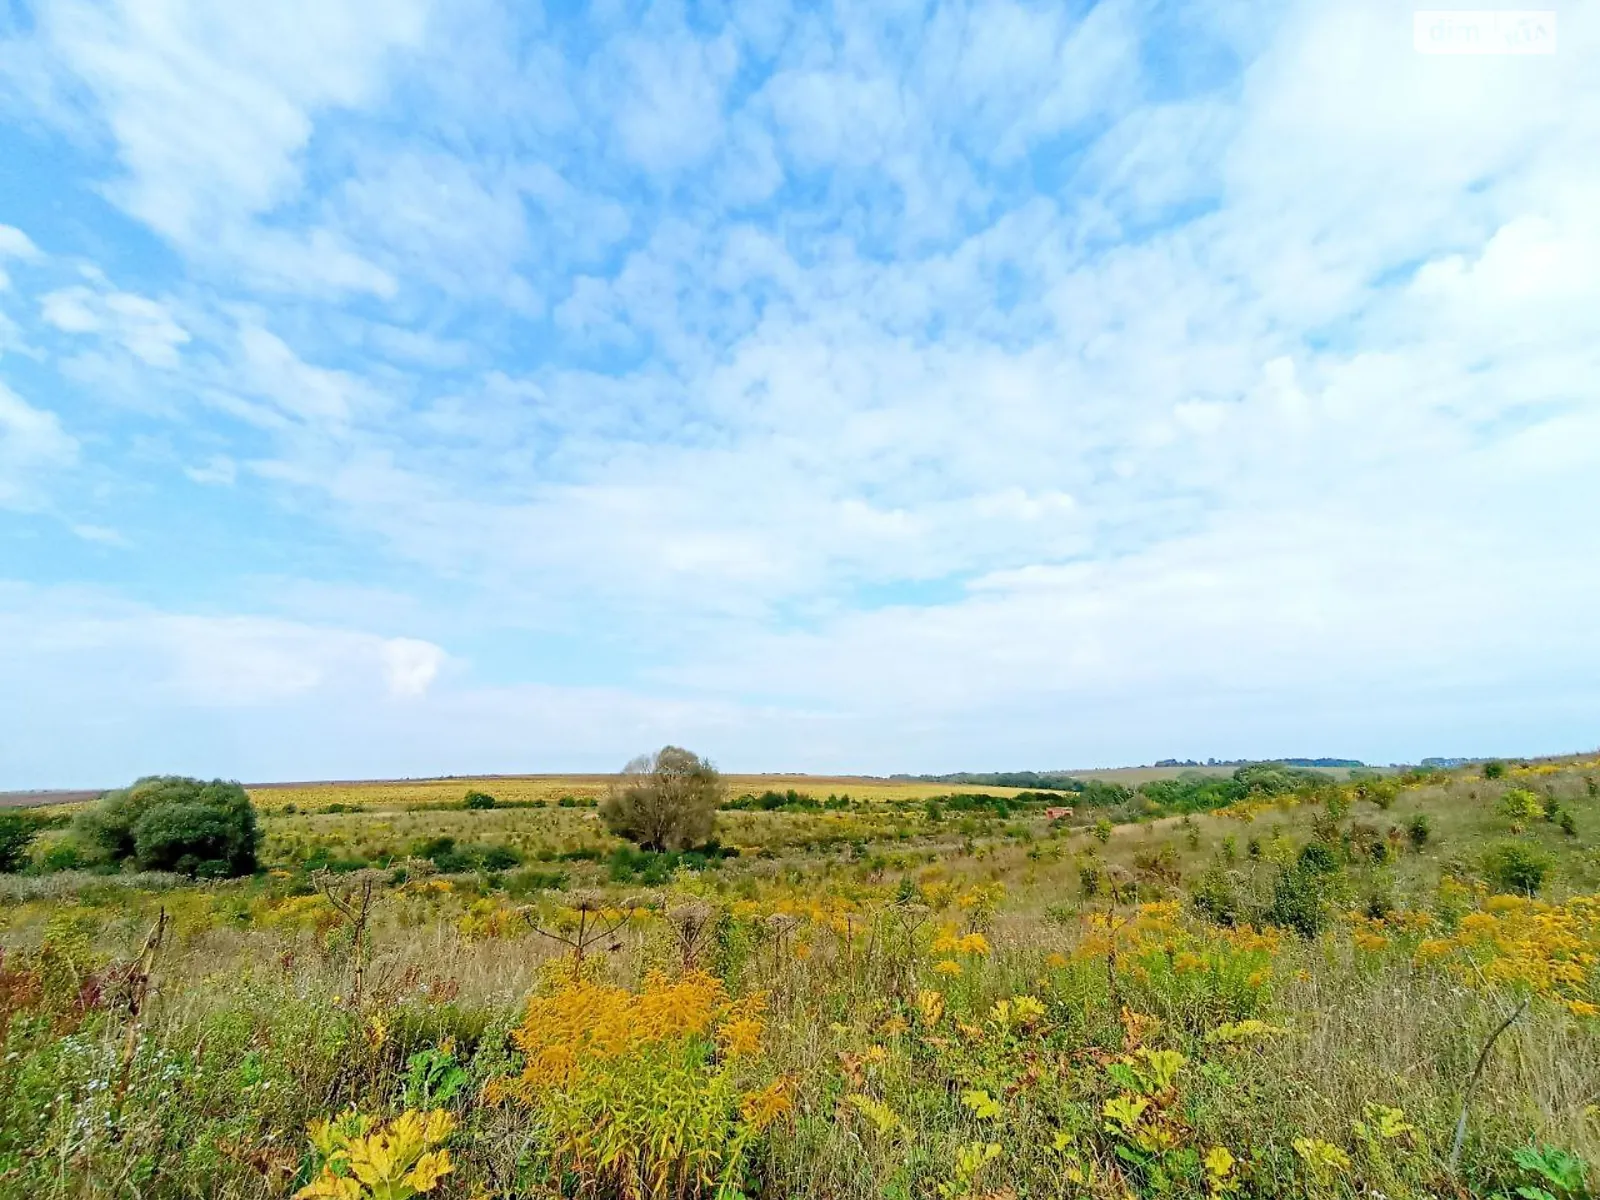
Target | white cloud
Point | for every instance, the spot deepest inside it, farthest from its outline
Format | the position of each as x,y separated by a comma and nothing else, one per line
667,94
16,244
411,666
101,535
186,660
212,111
143,327
219,470
32,445
315,395
964,377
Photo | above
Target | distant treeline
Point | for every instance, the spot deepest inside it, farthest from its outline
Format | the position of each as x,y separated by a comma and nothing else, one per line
1051,781
1284,762
1060,781
1188,793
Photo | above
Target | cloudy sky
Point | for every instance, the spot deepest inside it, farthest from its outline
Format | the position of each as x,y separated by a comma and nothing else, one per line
391,387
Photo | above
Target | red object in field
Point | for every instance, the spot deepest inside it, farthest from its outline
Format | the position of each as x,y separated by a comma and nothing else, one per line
1057,814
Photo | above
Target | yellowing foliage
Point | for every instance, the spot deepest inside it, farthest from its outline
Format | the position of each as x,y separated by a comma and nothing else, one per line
639,1093
391,1162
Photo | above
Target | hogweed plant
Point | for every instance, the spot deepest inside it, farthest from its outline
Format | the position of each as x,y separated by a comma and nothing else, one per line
360,1159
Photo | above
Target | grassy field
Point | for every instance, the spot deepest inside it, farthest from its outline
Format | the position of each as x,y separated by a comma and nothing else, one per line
551,789
921,991
401,793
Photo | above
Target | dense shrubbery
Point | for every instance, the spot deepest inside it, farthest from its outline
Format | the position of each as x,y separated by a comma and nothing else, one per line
475,800
173,823
17,831
447,856
653,867
786,801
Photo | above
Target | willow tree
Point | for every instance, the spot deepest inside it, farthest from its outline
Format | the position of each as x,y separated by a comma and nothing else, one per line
664,801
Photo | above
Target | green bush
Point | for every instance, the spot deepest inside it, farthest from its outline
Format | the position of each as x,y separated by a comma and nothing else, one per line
1089,879
17,831
1317,857
450,858
1516,867
1298,900
1419,829
1519,804
1216,896
478,800
1494,770
173,823
62,856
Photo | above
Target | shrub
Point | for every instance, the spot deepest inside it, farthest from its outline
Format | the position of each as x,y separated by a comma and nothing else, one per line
1298,900
1216,897
1519,804
1383,793
17,831
1494,769
1102,831
62,856
478,800
498,858
173,823
1567,823
1379,903
450,858
664,801
1419,829
530,880
1317,858
1516,867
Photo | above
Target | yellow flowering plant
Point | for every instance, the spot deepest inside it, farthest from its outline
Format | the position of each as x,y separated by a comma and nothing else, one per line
646,1093
360,1159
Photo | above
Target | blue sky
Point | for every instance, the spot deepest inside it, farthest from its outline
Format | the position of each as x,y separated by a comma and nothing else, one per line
391,387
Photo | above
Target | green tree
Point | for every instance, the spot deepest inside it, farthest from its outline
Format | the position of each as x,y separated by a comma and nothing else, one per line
174,823
17,831
664,801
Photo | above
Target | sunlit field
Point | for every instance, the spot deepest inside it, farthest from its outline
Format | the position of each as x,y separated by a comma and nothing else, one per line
853,989
551,789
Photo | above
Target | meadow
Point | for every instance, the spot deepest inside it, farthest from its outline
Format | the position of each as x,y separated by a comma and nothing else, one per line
1287,984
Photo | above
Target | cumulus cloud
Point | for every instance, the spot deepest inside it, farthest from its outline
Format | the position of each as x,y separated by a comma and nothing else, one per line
411,666
990,380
